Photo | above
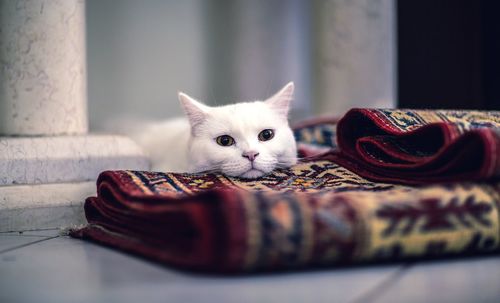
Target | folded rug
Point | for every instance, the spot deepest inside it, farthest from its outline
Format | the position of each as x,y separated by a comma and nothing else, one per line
419,146
317,213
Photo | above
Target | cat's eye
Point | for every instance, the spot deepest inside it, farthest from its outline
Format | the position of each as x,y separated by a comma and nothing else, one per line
224,140
266,135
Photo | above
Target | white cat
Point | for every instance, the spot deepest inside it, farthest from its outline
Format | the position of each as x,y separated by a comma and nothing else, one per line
246,140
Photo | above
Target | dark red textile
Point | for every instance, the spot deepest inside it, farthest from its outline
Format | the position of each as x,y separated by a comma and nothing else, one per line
318,213
419,147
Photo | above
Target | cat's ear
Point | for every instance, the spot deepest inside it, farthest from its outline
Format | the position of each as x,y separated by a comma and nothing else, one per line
280,102
196,112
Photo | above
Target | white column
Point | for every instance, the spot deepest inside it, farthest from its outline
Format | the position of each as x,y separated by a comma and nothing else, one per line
48,162
43,80
355,54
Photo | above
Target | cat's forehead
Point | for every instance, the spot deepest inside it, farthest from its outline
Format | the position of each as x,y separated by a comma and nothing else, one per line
247,115
247,112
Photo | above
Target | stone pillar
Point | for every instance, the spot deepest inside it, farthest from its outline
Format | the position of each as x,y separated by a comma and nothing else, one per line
42,79
48,162
355,54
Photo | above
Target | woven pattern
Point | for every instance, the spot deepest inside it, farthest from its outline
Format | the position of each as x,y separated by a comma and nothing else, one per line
304,177
419,147
316,136
317,213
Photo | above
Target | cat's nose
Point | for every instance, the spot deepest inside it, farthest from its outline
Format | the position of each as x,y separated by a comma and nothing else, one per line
250,155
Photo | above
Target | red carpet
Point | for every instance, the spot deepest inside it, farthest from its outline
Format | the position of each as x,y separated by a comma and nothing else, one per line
319,213
419,147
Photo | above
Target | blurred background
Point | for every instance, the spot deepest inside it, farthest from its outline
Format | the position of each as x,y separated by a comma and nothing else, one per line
340,53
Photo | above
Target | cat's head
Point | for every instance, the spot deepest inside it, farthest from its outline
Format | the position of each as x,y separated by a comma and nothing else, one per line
246,140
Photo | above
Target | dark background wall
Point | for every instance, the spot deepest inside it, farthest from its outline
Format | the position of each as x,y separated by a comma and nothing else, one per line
449,54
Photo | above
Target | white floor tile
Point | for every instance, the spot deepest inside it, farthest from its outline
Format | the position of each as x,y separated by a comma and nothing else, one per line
8,242
457,281
65,269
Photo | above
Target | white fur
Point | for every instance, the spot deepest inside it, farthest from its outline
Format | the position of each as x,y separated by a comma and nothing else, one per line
189,144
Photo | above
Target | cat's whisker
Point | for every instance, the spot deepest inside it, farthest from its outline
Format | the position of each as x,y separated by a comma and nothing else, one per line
208,169
215,168
284,160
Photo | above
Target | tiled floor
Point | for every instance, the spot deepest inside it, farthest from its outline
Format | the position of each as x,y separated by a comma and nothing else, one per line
42,266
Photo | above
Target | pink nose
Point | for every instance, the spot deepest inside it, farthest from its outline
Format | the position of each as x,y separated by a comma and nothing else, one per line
250,155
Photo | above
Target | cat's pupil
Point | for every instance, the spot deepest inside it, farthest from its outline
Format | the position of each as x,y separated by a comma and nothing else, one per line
266,134
225,140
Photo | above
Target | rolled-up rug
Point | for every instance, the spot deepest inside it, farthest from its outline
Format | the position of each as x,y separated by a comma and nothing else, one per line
419,146
321,212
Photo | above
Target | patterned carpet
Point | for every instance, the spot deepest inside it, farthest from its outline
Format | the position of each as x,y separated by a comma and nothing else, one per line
421,146
319,213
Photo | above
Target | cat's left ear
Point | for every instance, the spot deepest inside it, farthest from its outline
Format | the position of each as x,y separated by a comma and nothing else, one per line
280,102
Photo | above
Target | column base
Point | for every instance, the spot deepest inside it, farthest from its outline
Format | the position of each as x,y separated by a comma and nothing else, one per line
45,180
43,206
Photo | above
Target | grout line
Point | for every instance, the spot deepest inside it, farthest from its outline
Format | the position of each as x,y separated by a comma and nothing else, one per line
22,235
28,230
27,244
371,294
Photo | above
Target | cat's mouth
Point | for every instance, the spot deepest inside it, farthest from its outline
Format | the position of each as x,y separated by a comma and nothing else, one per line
252,173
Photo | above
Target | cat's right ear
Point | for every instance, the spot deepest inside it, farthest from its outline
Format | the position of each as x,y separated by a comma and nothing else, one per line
280,102
196,112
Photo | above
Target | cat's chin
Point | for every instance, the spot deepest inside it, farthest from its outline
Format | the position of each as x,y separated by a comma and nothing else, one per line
252,174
